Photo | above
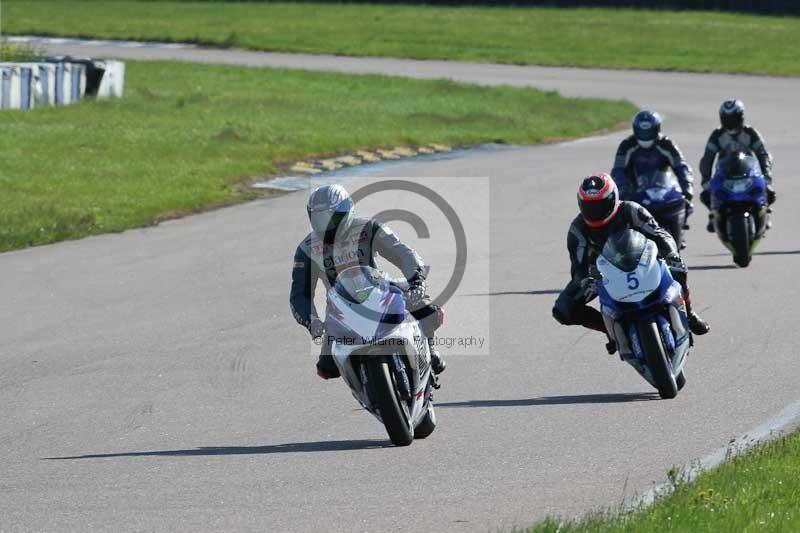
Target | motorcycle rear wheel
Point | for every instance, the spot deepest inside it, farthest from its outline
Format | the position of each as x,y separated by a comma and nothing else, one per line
388,401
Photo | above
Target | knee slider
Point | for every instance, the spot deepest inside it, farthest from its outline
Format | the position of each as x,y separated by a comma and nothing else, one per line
561,316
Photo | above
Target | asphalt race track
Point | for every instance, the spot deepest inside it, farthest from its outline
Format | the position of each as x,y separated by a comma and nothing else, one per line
155,379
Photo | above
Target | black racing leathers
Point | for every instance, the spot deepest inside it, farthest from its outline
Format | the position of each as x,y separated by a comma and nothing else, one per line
585,244
315,260
721,143
632,160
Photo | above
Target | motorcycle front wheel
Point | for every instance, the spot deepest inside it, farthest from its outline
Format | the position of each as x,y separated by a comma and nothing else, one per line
656,358
427,425
386,397
740,239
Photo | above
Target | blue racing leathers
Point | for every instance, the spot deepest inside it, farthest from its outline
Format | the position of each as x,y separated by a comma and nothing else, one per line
632,160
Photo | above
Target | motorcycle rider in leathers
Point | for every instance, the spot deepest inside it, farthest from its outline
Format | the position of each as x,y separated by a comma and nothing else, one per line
733,135
602,214
646,151
339,240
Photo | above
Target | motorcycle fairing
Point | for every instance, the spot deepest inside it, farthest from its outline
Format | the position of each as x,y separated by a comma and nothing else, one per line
664,302
749,189
658,189
631,286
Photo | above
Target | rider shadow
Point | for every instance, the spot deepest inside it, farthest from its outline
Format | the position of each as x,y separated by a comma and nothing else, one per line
767,252
712,267
556,400
778,252
511,293
293,447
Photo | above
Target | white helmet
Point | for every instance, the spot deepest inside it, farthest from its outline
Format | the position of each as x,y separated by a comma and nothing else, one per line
330,211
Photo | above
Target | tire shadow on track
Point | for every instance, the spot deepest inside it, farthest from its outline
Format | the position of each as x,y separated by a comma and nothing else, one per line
712,267
766,252
293,447
515,293
556,400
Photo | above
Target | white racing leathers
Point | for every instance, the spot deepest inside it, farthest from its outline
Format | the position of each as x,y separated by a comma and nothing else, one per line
315,259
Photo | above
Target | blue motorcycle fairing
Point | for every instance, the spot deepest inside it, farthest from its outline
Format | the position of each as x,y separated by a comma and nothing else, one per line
668,293
664,294
724,190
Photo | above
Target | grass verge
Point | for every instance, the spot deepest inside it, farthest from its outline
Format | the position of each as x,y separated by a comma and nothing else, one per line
755,491
18,52
592,37
185,135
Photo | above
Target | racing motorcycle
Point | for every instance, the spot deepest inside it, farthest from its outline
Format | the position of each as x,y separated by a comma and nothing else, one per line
739,203
659,191
644,310
381,352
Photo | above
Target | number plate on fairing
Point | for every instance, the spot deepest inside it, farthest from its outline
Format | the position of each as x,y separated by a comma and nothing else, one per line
634,286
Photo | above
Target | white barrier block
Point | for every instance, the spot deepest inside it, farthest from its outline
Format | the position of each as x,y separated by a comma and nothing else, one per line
66,85
113,82
15,94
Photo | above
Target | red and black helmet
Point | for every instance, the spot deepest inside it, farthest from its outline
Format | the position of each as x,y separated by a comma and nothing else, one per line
598,199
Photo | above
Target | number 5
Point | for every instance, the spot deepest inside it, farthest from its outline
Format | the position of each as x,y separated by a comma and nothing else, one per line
633,281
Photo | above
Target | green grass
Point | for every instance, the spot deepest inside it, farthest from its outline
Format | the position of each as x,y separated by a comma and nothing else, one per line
593,37
756,491
16,52
185,134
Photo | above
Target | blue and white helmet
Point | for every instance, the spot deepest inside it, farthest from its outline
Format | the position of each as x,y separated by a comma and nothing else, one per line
646,127
330,211
731,115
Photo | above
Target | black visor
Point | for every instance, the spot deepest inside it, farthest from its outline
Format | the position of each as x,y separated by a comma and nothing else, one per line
732,121
328,220
598,210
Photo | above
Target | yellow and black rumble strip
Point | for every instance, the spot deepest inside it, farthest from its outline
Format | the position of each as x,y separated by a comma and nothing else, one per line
361,157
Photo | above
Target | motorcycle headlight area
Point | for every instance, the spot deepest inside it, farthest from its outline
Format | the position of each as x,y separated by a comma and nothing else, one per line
738,185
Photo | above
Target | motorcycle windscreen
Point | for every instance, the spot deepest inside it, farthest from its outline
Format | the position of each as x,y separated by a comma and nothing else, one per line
624,250
659,186
629,280
364,306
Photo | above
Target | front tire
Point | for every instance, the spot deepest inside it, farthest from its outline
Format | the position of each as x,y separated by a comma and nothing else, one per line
740,239
385,396
656,359
427,425
680,381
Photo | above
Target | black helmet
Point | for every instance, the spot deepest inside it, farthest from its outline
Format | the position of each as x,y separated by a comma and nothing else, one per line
330,210
731,115
598,199
646,127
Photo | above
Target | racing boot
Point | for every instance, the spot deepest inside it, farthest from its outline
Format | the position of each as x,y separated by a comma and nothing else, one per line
611,347
697,325
438,364
326,368
710,226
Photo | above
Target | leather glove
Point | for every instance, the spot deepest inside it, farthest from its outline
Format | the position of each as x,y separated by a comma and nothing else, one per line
705,197
674,262
316,328
770,194
416,293
589,288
